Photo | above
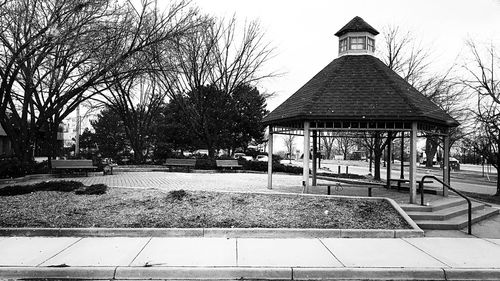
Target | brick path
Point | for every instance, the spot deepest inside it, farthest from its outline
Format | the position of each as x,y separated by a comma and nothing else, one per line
232,182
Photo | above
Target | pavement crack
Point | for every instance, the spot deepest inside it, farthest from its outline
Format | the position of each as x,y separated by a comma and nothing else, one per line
78,240
142,249
320,241
416,247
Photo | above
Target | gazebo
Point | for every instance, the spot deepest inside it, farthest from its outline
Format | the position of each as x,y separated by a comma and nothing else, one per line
358,93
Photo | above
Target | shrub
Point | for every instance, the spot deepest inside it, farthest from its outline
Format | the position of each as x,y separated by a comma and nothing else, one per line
62,186
262,167
205,164
177,194
225,157
11,168
13,190
95,189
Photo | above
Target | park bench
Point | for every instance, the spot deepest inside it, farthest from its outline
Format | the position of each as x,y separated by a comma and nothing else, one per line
184,163
338,187
400,181
73,165
228,164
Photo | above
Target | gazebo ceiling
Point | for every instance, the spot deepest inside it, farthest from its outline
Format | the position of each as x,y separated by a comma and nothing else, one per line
359,88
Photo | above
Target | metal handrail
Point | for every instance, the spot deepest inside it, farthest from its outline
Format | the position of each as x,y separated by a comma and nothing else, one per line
469,203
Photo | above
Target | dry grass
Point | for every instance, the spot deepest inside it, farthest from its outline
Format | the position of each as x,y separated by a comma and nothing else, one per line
154,208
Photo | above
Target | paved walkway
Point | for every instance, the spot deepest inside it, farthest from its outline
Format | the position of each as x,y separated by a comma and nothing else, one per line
334,258
232,182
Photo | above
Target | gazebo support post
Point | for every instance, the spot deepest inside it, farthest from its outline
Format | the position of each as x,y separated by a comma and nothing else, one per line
270,159
314,163
305,172
388,157
446,164
413,163
319,147
402,176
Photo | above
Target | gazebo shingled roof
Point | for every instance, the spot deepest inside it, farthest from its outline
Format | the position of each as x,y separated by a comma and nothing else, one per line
357,24
359,87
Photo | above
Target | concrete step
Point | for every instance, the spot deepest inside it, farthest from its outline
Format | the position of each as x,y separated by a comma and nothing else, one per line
445,214
457,222
435,206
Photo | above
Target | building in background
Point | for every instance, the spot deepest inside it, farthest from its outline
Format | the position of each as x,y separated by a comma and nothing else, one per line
5,144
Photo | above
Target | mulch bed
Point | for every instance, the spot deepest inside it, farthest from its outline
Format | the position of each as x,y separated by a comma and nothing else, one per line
121,207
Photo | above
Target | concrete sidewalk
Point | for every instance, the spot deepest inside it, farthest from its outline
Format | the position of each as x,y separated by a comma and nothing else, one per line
253,258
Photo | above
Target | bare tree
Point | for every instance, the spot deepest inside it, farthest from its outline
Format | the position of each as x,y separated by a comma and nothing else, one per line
403,54
327,143
137,99
345,144
486,87
218,55
289,141
56,54
449,94
376,142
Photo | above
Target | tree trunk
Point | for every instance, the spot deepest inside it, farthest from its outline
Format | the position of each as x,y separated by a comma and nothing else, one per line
371,159
498,180
378,156
498,170
137,145
431,146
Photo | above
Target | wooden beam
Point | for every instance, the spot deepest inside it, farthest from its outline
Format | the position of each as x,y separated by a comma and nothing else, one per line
270,159
305,171
413,163
446,164
315,150
402,175
388,157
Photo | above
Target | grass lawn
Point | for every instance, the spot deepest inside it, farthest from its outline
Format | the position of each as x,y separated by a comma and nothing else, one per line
153,208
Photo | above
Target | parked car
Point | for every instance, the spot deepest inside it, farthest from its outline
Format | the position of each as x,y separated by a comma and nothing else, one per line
262,158
238,155
454,164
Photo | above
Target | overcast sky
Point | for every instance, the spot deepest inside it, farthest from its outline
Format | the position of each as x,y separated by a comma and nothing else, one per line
303,31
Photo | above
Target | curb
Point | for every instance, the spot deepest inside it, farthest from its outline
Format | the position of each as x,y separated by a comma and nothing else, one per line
204,273
213,232
472,274
239,273
81,273
368,274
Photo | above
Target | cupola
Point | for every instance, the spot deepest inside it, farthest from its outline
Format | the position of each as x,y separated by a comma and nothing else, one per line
356,37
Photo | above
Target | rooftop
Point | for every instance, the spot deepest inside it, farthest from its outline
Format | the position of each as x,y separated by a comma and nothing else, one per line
359,87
